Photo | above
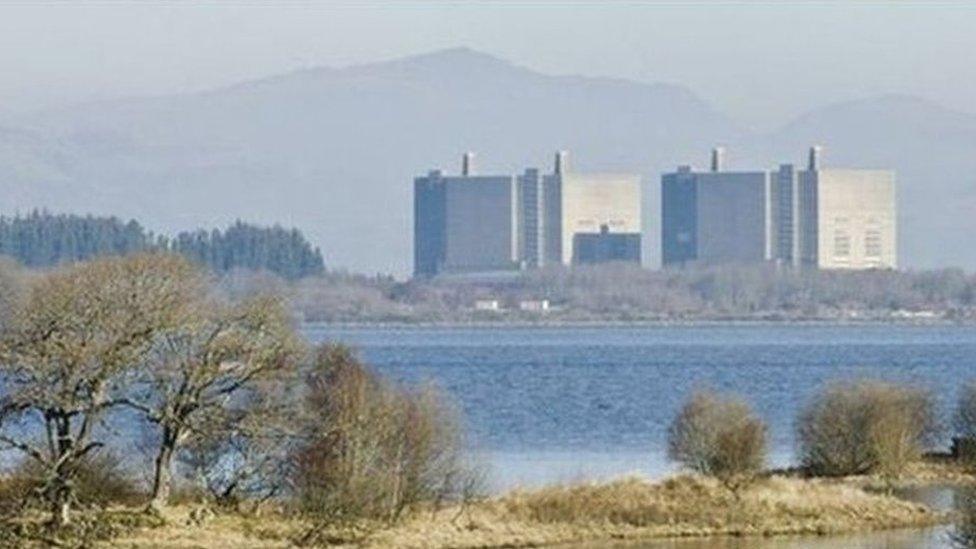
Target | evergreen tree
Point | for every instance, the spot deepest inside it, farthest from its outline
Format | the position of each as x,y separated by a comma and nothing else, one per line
42,239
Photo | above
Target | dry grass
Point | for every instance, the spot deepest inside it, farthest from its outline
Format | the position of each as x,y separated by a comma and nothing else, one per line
931,471
223,531
627,509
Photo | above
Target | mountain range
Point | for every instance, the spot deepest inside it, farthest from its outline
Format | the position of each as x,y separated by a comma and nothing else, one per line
334,151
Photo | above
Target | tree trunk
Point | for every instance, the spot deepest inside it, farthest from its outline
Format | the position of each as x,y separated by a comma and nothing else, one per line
63,514
60,500
60,491
162,477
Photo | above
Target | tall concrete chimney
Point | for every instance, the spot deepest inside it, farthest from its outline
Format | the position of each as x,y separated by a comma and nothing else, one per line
562,163
467,164
813,162
718,159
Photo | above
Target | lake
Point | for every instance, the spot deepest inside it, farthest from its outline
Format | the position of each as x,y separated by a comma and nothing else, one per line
553,404
561,404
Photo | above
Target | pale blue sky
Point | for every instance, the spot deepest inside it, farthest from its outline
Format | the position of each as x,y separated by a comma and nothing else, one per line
760,62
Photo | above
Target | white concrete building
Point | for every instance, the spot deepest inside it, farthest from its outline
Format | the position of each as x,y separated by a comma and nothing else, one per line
823,218
480,224
534,305
487,305
583,204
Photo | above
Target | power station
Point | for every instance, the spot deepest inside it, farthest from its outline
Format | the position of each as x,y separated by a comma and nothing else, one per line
471,223
818,217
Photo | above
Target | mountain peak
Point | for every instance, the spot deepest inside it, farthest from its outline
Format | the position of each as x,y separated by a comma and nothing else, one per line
443,63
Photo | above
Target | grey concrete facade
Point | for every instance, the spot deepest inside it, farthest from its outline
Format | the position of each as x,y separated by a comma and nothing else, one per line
733,221
605,247
473,223
429,224
823,218
481,223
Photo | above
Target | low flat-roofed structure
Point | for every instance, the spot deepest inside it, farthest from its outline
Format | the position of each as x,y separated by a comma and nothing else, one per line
606,247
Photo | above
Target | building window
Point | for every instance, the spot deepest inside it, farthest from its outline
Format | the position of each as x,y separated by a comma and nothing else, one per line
872,243
842,244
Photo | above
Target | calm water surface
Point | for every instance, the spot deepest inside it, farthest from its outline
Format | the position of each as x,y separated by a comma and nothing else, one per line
937,538
548,404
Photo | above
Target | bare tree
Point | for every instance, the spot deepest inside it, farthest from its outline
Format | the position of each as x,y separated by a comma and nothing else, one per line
865,427
374,449
720,437
13,283
247,457
65,355
204,375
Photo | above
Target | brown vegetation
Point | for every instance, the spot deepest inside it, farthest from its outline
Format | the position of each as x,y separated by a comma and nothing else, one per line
628,292
12,289
209,376
352,458
65,352
719,437
628,509
964,533
964,423
375,449
865,427
100,481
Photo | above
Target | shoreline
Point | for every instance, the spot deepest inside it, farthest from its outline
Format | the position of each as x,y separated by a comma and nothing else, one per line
627,509
645,323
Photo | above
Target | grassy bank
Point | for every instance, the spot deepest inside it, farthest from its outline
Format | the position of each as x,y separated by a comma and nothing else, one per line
627,509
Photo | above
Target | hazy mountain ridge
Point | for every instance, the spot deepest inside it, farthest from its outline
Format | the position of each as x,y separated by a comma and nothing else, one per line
334,151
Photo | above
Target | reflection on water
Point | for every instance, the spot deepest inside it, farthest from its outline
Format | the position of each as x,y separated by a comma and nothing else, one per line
935,538
940,498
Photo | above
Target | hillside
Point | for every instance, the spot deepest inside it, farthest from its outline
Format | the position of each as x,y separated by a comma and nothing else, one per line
334,151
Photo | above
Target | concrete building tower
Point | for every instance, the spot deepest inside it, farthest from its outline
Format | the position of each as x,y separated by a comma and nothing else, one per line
821,218
718,159
429,224
502,223
716,216
848,217
561,165
581,204
813,158
465,223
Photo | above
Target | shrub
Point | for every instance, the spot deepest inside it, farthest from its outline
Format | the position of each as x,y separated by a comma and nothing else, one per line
375,449
963,534
718,436
100,481
865,427
964,423
16,490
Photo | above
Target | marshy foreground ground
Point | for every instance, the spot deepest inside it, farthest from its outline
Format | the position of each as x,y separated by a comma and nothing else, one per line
626,509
